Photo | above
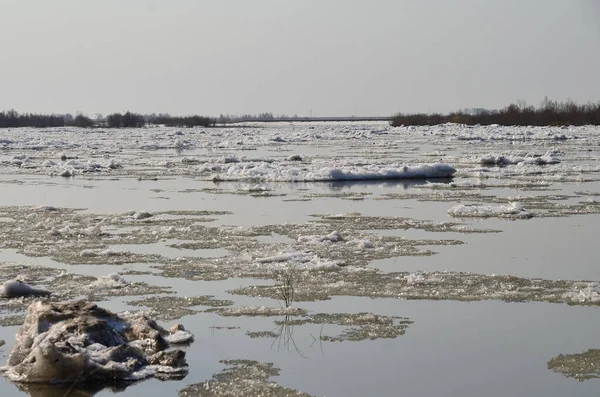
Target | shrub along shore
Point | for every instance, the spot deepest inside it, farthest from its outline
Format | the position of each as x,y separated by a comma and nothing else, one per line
13,119
549,113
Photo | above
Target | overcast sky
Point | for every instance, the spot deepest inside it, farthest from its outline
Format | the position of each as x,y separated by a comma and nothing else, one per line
334,57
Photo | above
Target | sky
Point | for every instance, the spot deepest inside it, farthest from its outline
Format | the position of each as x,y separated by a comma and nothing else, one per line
319,57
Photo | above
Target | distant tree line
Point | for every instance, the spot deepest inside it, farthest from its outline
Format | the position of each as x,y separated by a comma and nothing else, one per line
135,120
186,121
549,113
13,119
127,120
266,116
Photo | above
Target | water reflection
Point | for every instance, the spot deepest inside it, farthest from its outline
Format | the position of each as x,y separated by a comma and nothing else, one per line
388,183
288,187
87,389
284,337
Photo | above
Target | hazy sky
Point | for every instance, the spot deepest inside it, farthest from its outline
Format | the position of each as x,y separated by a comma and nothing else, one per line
334,57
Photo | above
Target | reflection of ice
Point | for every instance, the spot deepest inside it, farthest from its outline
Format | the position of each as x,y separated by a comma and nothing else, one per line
355,327
392,183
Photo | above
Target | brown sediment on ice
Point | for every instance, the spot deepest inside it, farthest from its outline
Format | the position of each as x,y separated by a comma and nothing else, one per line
582,366
169,308
459,286
262,334
242,378
74,237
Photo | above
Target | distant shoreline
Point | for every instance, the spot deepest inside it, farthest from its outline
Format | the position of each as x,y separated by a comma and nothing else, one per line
549,113
303,119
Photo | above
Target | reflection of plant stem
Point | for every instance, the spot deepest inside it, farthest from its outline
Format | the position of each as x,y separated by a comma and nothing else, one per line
285,337
320,339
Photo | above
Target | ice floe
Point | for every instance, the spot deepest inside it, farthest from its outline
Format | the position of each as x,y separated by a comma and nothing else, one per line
298,260
581,366
242,378
259,311
511,210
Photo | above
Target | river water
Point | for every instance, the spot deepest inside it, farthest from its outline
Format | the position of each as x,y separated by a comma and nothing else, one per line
238,204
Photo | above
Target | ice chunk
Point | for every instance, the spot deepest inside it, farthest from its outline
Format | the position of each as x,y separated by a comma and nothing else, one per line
141,215
510,210
18,288
88,253
80,342
584,293
418,172
113,280
48,208
366,244
333,237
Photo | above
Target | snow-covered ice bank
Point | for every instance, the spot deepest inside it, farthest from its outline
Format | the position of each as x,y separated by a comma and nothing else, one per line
79,342
316,173
416,172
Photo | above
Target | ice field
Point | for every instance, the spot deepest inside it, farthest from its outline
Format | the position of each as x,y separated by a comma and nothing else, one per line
443,260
